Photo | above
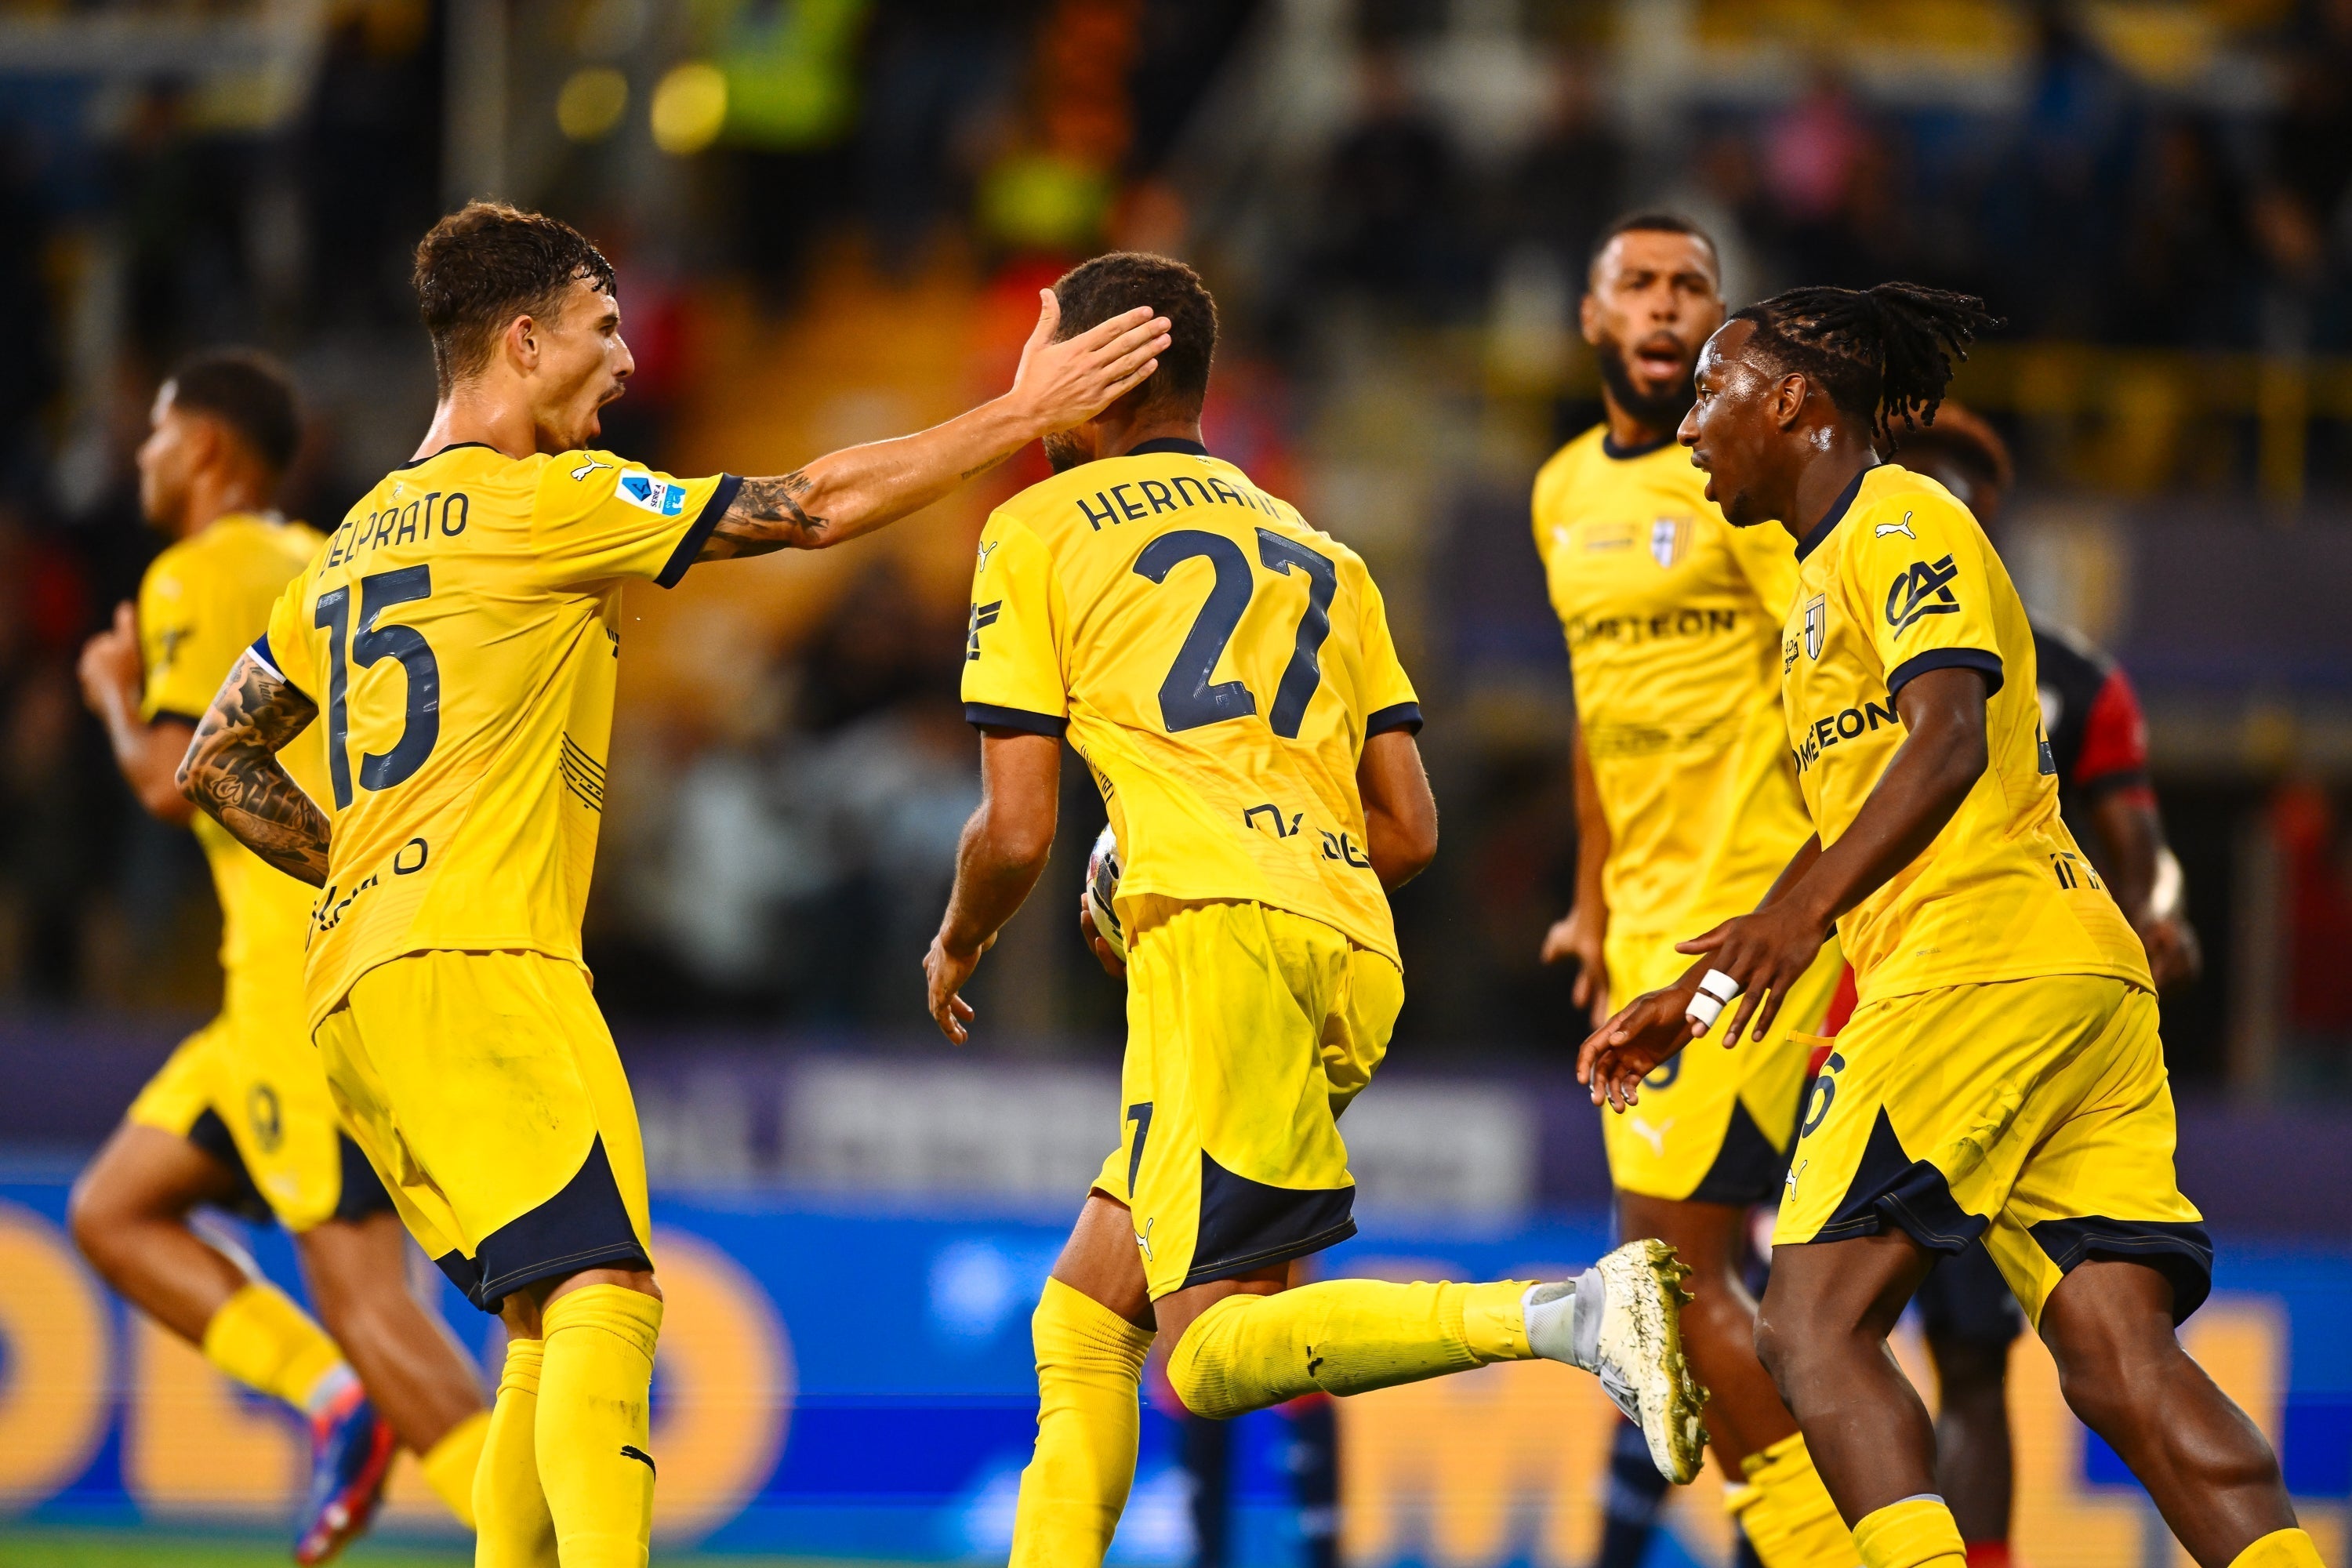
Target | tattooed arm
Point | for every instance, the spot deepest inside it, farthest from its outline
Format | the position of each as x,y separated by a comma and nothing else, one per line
232,771
859,488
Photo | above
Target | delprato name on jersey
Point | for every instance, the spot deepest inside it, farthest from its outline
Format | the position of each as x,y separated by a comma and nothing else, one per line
1216,661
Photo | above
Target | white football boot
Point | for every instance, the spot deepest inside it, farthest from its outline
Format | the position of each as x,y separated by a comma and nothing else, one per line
1621,1321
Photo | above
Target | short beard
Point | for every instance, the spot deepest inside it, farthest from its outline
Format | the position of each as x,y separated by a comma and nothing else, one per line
1064,452
1661,411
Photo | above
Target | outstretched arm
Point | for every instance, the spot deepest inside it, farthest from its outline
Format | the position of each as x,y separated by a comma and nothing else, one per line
858,489
1003,848
232,771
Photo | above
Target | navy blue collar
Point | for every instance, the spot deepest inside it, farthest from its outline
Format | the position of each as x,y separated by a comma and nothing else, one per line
420,462
1167,444
1609,448
1835,515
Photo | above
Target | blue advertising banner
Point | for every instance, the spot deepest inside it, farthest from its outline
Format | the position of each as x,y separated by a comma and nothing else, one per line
844,1377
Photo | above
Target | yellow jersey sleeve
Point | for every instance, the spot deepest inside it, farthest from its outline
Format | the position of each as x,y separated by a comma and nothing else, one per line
1916,569
1767,558
287,645
1014,676
1389,701
188,637
598,518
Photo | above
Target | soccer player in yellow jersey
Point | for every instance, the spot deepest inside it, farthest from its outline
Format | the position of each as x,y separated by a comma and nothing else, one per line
456,643
1686,809
1227,674
240,1116
2001,1077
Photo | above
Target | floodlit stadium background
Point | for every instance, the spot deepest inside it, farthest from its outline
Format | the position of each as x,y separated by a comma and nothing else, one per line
831,217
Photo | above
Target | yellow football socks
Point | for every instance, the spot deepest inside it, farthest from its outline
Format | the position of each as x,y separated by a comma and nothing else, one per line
1342,1336
262,1339
2279,1549
595,1404
1917,1533
512,1528
450,1465
1786,1511
1089,1370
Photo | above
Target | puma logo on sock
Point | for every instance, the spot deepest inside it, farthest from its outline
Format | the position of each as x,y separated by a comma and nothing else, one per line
631,1451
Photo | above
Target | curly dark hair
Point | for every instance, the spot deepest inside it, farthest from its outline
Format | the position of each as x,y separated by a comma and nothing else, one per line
1094,291
487,263
1882,353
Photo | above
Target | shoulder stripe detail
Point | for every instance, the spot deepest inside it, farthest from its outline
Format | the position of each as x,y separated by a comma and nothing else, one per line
1405,716
1976,658
988,716
690,543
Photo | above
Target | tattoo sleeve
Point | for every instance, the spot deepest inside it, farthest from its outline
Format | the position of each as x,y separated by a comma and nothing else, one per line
766,515
232,771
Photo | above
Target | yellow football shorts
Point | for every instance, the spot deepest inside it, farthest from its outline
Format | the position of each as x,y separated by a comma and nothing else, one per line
1248,1031
246,1089
2035,1113
487,1094
1713,1124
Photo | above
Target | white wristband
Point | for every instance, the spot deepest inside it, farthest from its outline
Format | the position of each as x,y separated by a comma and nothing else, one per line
1707,1003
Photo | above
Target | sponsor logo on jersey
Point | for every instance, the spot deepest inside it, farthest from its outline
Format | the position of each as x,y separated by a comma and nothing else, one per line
1817,623
1669,537
1845,724
982,616
1921,590
662,497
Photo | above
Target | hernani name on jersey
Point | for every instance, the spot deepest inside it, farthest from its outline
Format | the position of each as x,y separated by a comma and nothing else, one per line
1172,495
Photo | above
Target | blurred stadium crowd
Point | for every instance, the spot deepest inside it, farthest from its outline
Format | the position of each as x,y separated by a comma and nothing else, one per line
829,214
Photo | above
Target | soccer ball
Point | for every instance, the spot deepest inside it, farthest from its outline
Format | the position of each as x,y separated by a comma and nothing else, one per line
1102,887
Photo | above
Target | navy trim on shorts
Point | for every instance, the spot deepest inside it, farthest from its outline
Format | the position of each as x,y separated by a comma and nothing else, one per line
211,1134
1246,1225
1889,1187
1964,1298
586,1226
1405,716
690,543
362,1191
988,716
1985,664
2181,1250
1747,1168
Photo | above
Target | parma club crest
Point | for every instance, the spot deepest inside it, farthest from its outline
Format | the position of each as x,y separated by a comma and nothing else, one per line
1817,621
1669,537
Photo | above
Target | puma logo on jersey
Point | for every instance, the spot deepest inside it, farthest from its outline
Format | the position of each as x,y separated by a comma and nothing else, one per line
986,550
1903,528
1921,590
584,469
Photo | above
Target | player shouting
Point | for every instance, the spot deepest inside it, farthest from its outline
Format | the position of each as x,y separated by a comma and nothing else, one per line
457,640
2001,1077
1686,808
240,1116
1226,672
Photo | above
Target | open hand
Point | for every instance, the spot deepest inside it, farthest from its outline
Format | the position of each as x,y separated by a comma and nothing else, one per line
1580,936
1616,1057
1068,383
945,974
1105,954
1766,952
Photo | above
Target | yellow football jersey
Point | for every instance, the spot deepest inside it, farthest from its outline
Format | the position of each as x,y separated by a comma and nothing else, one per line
460,634
1897,579
203,600
1217,662
1673,622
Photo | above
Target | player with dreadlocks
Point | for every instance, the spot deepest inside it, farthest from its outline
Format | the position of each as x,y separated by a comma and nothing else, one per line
2001,1078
